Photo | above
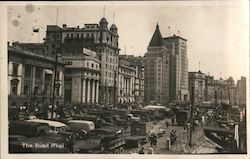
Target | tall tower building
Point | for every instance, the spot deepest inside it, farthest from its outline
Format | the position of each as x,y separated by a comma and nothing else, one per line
70,41
156,70
178,68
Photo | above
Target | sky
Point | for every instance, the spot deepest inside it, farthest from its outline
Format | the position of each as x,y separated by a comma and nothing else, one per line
217,33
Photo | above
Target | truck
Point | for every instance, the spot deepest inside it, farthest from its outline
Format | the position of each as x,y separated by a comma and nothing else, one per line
110,139
182,117
138,135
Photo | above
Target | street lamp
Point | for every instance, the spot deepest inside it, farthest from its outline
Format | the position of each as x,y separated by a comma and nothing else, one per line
114,100
55,85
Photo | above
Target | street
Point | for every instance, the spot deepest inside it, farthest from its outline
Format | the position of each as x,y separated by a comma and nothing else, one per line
161,147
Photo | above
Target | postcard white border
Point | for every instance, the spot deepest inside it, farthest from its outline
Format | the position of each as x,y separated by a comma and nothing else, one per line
4,84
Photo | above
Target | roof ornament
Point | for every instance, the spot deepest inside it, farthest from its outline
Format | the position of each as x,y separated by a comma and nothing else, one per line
157,25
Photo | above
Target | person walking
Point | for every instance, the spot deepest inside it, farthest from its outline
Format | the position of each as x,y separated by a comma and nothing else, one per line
70,144
167,124
172,137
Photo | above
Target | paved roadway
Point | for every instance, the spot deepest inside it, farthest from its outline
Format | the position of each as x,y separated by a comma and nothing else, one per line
161,141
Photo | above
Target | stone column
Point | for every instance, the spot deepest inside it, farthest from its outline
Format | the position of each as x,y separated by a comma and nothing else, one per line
22,79
88,93
93,91
97,91
43,79
19,73
83,90
33,79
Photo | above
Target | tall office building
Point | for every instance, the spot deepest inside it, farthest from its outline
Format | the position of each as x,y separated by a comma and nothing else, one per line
178,68
241,91
156,70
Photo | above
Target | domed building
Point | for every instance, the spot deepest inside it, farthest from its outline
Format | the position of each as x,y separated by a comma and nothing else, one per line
99,38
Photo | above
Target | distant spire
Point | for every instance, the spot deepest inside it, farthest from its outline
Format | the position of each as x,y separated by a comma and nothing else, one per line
57,12
157,25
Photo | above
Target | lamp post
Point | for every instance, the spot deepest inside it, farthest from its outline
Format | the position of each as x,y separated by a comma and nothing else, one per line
105,94
54,86
191,118
55,68
115,81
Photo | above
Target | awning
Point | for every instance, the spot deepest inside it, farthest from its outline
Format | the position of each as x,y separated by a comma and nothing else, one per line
48,71
131,100
125,100
121,100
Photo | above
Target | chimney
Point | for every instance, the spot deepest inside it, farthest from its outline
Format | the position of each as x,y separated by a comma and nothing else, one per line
64,26
78,26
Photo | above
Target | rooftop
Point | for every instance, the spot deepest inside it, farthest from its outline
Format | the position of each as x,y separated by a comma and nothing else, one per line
157,39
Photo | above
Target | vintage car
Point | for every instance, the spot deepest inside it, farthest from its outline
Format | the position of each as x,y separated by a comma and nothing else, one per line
109,139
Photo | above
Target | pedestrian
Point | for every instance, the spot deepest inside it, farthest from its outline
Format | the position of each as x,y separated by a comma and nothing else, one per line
172,137
154,140
141,151
151,140
167,124
172,120
175,136
70,144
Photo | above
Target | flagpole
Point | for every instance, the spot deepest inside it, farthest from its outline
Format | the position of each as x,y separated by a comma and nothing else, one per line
55,69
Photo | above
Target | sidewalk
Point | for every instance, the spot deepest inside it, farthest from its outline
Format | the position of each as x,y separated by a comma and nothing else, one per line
200,143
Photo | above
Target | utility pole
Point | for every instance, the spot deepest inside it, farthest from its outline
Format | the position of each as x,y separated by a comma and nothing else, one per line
114,104
55,69
215,98
54,88
191,118
105,94
221,98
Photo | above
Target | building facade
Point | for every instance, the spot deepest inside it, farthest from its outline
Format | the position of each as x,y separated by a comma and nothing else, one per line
197,81
126,82
241,91
231,91
31,78
137,63
220,91
156,61
96,37
82,75
178,68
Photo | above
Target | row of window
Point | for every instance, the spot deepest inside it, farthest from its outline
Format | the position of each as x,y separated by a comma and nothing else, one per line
78,35
37,90
92,74
28,72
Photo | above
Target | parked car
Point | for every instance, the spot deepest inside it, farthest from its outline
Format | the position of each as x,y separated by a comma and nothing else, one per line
131,117
81,125
55,126
104,140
